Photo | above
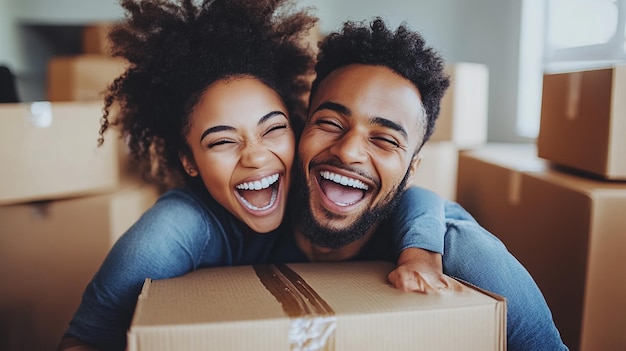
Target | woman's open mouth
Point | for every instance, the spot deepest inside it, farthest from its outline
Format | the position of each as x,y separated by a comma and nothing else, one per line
259,195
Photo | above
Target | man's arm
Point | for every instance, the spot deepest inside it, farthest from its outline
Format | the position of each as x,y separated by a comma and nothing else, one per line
418,228
420,270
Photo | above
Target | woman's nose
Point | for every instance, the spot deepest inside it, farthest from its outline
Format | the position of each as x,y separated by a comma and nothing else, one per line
255,155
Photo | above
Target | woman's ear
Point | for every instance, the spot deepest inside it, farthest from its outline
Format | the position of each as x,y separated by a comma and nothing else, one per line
188,164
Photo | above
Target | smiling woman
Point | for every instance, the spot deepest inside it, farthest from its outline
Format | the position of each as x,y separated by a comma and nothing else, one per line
241,124
210,106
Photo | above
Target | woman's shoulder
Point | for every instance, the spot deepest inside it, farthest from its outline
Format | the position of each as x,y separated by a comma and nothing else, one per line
184,197
187,204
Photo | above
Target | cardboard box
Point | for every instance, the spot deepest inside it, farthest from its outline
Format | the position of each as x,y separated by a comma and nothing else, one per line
48,253
82,77
463,115
583,121
438,167
95,38
569,232
49,150
331,306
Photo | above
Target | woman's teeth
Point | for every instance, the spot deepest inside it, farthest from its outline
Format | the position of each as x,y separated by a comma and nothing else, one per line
343,180
259,184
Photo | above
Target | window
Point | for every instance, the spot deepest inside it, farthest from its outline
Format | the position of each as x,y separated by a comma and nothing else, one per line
582,33
577,34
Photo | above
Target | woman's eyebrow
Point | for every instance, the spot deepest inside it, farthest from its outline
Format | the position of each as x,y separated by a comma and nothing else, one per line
222,128
215,129
269,116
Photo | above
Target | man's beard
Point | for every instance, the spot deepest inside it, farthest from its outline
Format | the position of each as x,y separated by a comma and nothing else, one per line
322,236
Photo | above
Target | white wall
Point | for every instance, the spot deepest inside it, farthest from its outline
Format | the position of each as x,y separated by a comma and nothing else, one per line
66,11
483,31
7,32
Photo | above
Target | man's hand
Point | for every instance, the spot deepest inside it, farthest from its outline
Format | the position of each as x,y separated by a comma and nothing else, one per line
421,271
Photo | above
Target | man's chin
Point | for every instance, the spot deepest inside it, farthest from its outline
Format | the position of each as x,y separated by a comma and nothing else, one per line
334,231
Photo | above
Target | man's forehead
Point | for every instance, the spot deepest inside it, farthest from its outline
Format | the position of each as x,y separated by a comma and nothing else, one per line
362,79
370,89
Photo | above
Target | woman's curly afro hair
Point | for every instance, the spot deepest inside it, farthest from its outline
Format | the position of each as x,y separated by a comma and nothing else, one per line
404,51
177,48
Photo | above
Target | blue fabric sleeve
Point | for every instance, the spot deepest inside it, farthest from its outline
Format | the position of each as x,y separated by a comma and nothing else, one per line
169,240
419,221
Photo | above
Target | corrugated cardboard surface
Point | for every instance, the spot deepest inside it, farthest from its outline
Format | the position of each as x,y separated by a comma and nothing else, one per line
569,232
82,77
54,153
463,115
438,167
233,308
583,121
48,253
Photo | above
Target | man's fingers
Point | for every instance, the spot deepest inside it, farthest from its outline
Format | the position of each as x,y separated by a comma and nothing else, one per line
409,280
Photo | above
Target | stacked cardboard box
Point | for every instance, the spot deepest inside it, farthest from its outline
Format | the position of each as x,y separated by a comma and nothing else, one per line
559,205
63,202
311,306
583,121
50,151
462,125
84,76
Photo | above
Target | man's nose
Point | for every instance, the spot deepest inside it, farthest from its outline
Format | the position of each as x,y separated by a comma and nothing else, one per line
350,148
255,155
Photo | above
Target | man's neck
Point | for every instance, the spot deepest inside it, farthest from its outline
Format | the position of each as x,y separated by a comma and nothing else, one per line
323,254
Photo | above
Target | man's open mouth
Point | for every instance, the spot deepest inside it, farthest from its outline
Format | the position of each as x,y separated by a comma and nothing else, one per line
342,190
260,194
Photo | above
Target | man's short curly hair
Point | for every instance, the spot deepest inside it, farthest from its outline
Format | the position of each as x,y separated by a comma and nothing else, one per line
404,51
177,48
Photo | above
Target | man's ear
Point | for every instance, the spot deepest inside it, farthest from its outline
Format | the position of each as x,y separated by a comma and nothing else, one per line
188,164
415,162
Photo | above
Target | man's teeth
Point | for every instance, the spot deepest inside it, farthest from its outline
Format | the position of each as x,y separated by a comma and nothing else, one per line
343,180
259,184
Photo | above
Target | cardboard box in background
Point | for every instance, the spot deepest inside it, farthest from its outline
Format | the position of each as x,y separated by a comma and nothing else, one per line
49,150
583,121
81,77
438,167
95,38
567,230
463,116
48,253
339,306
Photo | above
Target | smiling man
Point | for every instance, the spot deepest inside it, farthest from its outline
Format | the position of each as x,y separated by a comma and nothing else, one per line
372,107
357,153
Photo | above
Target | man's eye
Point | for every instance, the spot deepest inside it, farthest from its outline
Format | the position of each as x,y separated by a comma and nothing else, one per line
387,141
328,124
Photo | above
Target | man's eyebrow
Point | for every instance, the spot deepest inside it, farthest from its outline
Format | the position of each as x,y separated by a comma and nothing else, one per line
333,106
384,122
221,128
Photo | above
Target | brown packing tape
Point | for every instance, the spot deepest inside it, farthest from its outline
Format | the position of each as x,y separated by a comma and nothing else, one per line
313,320
515,187
575,83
